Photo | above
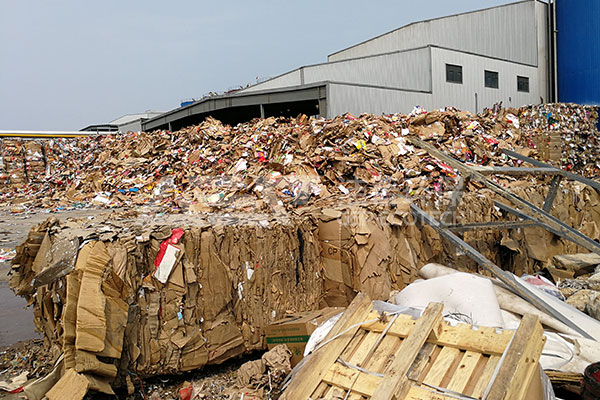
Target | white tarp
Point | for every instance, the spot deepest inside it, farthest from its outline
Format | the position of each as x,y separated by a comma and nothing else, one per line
466,297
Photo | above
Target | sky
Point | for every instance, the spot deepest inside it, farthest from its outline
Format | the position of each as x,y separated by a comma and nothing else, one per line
68,64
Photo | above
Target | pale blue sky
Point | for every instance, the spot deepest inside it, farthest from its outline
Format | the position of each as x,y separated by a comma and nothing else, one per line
68,64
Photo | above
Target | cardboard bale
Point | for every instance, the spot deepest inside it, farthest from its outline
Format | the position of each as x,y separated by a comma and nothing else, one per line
232,278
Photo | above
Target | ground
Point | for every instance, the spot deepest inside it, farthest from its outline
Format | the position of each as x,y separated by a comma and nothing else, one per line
212,382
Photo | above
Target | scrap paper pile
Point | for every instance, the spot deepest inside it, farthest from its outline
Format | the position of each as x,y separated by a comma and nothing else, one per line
566,134
283,163
163,294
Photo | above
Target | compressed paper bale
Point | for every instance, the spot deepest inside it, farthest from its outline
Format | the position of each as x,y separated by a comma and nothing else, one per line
91,317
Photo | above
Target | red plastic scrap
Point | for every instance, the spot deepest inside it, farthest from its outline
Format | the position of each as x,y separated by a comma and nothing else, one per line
186,393
176,234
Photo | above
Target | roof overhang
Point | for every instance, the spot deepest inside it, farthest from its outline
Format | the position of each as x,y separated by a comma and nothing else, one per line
313,91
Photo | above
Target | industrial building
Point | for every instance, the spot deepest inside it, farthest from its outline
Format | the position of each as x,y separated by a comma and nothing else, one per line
507,53
125,123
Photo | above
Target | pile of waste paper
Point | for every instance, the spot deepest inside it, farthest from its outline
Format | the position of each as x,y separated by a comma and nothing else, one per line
276,163
137,293
227,231
564,133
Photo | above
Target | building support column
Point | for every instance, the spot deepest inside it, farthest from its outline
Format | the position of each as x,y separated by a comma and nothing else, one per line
323,108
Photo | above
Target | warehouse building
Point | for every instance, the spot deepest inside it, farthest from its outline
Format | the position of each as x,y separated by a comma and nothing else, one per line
470,61
125,123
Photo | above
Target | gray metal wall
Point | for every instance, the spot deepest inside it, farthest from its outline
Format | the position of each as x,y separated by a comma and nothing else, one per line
359,98
463,95
404,70
506,32
133,126
355,99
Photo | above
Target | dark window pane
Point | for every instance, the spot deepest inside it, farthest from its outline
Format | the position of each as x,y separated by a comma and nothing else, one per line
491,79
523,84
453,73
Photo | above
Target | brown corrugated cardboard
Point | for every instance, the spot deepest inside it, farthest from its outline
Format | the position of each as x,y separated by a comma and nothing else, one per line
294,330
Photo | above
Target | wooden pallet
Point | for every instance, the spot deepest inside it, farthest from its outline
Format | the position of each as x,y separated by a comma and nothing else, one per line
396,357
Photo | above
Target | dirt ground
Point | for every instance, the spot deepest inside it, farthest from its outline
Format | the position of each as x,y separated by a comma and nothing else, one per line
218,382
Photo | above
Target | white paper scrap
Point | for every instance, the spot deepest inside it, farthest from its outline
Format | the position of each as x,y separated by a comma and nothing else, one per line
166,264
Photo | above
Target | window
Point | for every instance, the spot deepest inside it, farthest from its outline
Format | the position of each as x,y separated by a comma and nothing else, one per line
453,73
491,79
523,84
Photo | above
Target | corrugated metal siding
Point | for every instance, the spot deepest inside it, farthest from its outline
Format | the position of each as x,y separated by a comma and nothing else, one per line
360,99
355,99
541,11
462,95
133,126
578,42
291,78
506,32
406,70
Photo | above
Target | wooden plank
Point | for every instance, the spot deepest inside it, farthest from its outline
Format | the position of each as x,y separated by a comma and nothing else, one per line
318,363
402,326
441,365
359,356
486,376
354,396
350,378
423,393
364,353
486,341
356,344
476,375
396,384
521,357
535,389
321,390
332,393
464,371
527,370
384,355
451,370
423,361
480,340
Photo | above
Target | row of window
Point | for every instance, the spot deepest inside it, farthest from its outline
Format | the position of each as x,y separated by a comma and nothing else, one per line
490,78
